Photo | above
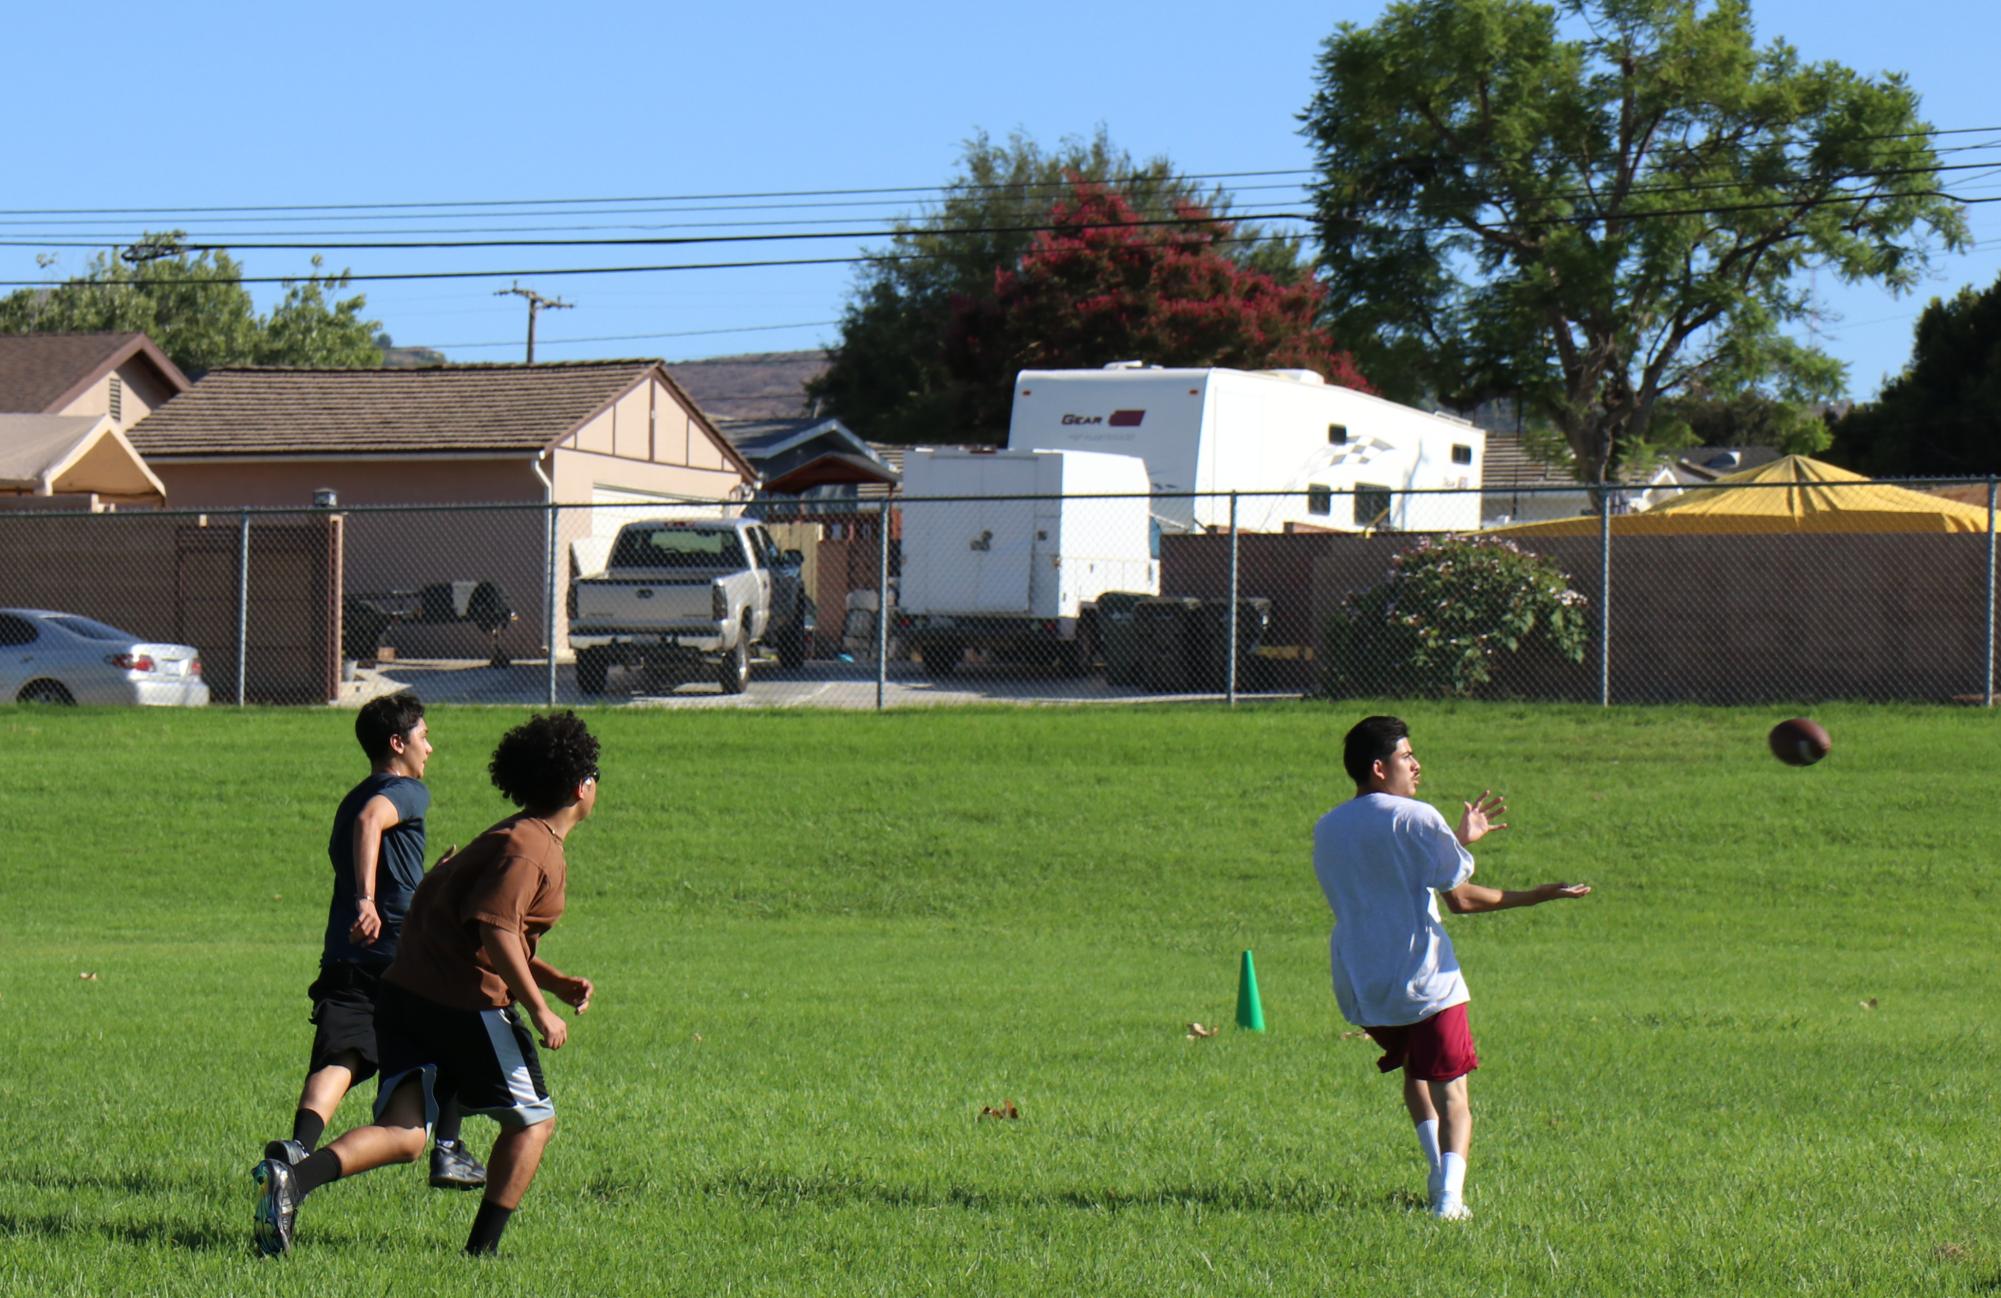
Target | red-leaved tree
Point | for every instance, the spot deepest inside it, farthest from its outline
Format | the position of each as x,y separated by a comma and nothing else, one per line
1106,285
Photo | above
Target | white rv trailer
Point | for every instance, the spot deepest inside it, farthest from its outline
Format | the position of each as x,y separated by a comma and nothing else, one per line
1018,550
1342,460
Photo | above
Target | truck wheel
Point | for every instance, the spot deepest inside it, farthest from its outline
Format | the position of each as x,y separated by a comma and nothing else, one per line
734,675
941,657
592,666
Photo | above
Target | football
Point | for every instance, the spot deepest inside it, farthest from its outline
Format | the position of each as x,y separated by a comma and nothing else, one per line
1799,742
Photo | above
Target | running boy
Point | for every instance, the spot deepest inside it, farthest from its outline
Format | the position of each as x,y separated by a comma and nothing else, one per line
1384,859
445,1025
377,851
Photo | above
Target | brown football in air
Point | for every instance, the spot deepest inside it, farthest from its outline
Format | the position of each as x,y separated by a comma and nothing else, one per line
1799,742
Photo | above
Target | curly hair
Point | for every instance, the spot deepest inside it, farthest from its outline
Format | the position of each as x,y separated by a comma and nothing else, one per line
392,716
539,764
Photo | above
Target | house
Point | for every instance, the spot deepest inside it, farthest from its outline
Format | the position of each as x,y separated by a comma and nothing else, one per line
813,465
618,435
65,403
1519,488
72,462
119,375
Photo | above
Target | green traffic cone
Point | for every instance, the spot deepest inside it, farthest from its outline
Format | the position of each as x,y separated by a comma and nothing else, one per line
1250,1010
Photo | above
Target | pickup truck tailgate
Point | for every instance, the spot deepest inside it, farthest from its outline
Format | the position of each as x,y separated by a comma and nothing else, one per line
641,602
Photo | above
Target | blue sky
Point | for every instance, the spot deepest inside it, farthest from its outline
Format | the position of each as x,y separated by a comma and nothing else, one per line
237,104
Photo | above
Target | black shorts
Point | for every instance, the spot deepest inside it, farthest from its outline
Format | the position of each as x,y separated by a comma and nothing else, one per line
483,1058
343,1019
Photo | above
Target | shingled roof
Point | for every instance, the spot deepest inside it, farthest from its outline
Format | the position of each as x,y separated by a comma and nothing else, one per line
41,372
465,409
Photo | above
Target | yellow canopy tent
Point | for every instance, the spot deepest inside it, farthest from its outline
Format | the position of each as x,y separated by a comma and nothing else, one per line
1789,495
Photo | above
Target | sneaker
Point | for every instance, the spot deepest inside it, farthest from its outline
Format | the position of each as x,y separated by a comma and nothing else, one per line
289,1152
277,1206
1452,1210
454,1168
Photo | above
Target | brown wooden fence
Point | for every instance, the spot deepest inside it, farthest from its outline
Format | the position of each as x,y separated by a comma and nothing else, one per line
1723,619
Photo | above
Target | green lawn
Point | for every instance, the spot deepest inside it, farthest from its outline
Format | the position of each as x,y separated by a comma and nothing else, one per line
1760,1059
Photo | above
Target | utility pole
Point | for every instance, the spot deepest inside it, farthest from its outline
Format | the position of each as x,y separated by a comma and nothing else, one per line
536,302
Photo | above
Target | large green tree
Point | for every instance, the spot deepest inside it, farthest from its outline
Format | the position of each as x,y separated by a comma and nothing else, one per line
1942,415
1597,205
889,379
195,308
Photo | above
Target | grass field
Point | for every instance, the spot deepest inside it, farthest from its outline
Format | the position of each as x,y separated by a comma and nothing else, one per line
1760,1059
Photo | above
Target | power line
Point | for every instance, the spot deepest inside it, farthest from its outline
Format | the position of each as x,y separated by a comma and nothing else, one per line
1581,219
626,338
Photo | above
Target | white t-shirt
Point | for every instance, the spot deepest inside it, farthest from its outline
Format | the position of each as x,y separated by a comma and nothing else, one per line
1381,860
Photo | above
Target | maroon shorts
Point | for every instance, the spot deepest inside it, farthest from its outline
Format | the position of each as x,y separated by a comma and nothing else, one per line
1436,1049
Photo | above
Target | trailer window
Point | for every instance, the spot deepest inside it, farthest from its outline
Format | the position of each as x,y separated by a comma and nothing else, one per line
677,547
1319,499
1337,434
1462,454
1372,505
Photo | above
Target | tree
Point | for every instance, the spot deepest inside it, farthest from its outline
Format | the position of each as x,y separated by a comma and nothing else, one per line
1942,415
888,378
1101,286
195,308
1596,206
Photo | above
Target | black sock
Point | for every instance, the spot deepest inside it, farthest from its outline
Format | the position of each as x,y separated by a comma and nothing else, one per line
319,1168
486,1228
307,1128
446,1129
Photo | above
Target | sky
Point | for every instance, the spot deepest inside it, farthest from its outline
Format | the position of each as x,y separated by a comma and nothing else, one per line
238,105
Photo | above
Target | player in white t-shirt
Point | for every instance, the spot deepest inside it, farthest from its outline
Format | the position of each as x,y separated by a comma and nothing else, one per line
1383,860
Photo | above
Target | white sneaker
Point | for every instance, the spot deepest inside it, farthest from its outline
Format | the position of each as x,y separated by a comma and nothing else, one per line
1451,1210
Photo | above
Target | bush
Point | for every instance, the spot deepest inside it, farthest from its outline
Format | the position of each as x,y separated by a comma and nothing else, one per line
1450,612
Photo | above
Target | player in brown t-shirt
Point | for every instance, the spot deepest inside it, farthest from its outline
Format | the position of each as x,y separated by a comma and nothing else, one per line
445,1026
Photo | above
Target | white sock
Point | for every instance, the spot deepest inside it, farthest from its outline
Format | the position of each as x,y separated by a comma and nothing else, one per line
1452,1182
1427,1139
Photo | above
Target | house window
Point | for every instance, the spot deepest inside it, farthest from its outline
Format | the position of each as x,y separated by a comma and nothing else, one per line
1462,455
1372,505
1337,434
117,400
1319,499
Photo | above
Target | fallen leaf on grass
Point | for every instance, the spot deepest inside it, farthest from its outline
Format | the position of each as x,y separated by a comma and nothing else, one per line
698,1038
1869,1004
88,977
1357,1034
1196,1030
1006,1111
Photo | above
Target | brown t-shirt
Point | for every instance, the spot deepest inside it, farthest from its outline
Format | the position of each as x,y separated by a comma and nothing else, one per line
513,877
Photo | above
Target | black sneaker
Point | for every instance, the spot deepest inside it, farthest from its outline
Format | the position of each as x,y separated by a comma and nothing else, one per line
277,1206
289,1152
454,1168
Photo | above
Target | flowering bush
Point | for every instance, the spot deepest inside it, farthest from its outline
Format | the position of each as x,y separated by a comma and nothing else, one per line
1450,611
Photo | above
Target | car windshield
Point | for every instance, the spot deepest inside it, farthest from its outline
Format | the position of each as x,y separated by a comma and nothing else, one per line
90,630
677,547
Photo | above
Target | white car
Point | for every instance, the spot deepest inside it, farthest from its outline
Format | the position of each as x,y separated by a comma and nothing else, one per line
48,657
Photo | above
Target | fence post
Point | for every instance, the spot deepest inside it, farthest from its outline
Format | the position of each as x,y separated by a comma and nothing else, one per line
882,606
1604,594
1987,689
242,605
1230,680
549,598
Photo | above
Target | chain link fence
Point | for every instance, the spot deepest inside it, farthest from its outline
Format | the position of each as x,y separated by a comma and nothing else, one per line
1027,598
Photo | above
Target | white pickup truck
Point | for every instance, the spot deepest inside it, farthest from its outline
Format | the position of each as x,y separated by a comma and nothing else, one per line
692,596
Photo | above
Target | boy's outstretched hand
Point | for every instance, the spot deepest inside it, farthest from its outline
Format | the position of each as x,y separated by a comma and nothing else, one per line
1478,819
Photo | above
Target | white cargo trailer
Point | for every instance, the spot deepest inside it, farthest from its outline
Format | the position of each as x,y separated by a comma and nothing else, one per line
1007,551
1338,459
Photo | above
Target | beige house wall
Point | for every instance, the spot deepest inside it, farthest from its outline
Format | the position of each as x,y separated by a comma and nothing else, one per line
145,392
290,484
